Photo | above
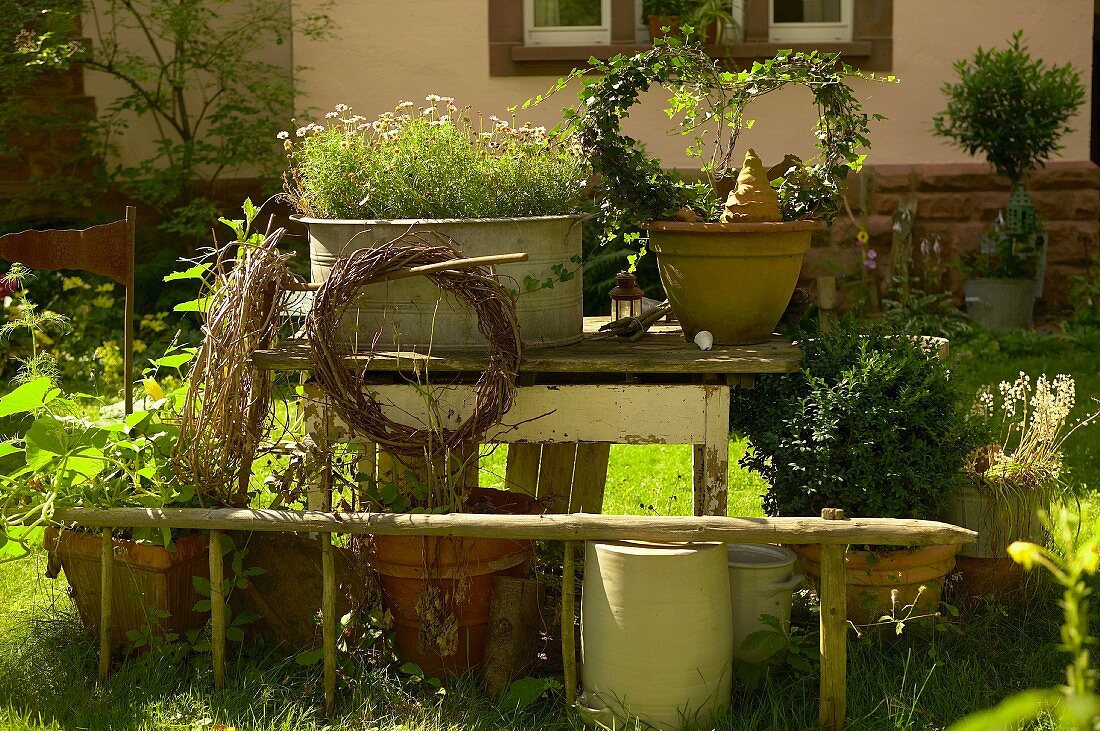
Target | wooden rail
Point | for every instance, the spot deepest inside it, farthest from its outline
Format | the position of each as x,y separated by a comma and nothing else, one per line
832,531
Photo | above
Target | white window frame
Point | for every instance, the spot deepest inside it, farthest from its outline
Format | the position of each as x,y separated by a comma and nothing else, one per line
571,35
812,32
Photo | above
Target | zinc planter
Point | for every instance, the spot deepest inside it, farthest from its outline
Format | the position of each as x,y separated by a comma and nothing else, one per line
148,580
999,519
873,577
1000,305
733,279
762,582
656,634
462,570
406,310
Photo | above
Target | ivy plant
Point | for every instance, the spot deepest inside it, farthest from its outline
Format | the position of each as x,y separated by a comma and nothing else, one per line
708,98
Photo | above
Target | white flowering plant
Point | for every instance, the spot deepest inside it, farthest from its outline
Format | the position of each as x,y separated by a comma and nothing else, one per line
1032,424
432,161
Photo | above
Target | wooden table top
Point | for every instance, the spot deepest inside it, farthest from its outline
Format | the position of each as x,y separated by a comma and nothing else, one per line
662,350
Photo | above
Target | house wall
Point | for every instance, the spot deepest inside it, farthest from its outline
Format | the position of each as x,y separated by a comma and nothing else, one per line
391,51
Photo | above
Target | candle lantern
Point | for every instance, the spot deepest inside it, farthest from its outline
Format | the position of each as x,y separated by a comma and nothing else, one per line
626,296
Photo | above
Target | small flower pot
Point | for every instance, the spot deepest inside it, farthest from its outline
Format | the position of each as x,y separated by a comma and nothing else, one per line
657,24
153,587
872,579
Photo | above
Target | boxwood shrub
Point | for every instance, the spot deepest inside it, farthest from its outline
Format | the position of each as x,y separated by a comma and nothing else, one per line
872,424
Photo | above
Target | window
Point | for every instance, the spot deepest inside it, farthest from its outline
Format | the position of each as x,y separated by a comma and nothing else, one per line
804,21
567,22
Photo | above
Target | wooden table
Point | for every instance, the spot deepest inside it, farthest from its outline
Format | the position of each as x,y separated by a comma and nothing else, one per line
572,403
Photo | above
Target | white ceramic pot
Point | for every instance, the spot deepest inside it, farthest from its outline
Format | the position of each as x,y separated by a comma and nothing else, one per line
413,311
762,581
656,634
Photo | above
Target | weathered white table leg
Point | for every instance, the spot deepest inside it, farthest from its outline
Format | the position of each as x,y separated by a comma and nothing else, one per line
710,460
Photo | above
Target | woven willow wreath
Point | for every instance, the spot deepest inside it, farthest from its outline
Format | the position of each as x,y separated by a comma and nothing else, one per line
476,287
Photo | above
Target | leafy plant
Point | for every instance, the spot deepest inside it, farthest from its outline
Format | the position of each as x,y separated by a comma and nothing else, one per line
708,14
431,162
1072,564
921,301
872,424
1084,294
1013,257
60,458
634,187
1010,108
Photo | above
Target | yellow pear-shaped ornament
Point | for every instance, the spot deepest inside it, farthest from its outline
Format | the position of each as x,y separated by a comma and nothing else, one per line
752,200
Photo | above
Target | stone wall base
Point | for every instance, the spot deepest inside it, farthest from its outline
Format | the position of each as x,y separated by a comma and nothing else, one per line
957,202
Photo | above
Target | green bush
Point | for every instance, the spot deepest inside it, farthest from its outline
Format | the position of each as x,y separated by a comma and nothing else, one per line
1009,107
872,424
433,162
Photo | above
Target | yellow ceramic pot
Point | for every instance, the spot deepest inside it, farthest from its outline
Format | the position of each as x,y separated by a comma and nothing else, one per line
733,279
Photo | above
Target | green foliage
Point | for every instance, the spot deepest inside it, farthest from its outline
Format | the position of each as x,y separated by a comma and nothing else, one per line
83,347
194,68
872,424
920,300
667,7
432,162
1072,564
634,187
56,457
1084,295
1010,108
1013,257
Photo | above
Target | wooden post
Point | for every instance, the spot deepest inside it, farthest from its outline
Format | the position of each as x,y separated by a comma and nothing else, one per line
106,594
568,641
217,609
826,302
834,632
710,460
328,618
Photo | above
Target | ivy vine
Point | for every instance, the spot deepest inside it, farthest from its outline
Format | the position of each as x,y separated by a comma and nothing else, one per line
705,96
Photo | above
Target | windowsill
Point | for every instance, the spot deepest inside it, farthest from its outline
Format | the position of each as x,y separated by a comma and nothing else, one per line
741,52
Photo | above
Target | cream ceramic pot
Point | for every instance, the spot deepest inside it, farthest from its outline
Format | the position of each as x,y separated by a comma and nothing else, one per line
762,581
656,634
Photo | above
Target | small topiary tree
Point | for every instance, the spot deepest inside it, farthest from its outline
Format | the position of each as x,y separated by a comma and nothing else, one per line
1009,107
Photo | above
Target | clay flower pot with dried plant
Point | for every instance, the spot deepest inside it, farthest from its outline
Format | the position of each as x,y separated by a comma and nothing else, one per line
728,268
1013,479
488,185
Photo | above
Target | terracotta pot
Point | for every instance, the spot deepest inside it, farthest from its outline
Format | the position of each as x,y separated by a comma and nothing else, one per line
733,279
147,579
872,578
984,577
407,565
657,22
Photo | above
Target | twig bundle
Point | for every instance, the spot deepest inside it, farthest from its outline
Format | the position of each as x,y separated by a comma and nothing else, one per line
476,287
226,413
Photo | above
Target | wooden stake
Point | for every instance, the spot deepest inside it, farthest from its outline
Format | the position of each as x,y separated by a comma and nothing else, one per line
571,527
106,594
217,609
834,632
568,641
328,619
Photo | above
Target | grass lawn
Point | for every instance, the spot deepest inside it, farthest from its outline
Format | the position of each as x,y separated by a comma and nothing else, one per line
923,679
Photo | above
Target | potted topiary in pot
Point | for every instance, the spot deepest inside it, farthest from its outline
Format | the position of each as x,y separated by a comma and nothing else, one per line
1013,477
731,268
871,425
490,187
1013,110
